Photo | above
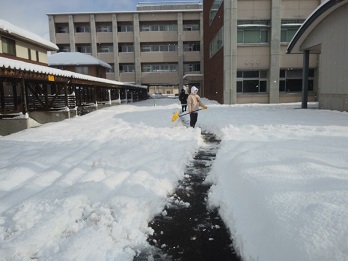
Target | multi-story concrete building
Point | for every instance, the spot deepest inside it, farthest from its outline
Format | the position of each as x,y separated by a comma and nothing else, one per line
156,45
245,51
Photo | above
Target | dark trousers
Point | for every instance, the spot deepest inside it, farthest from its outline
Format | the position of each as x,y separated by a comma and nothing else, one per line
193,119
184,106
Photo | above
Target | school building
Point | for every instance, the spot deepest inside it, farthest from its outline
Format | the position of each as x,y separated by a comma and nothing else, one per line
158,45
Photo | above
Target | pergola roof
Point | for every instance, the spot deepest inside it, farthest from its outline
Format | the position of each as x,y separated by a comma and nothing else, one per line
24,67
317,16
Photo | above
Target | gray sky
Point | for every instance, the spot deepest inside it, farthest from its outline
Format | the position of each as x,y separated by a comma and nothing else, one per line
32,14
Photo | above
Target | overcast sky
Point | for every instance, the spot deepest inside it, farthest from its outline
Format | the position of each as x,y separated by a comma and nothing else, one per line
32,14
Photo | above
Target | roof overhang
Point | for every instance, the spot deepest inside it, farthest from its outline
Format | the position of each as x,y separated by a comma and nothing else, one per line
16,32
317,16
193,77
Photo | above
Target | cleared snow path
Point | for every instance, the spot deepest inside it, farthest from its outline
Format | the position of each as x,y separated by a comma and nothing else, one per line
186,229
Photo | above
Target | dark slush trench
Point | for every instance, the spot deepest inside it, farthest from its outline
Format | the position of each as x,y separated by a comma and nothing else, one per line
186,229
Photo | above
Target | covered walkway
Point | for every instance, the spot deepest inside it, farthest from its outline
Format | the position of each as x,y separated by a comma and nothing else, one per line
35,91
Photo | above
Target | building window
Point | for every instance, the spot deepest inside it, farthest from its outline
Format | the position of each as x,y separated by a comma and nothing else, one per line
252,81
192,46
124,68
192,67
124,28
170,47
158,27
253,32
214,9
29,54
291,80
289,29
83,48
37,56
104,27
126,48
82,28
112,69
62,28
82,69
217,43
8,46
105,48
165,67
191,26
64,48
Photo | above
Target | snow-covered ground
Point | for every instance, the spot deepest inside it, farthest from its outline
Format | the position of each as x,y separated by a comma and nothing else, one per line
86,188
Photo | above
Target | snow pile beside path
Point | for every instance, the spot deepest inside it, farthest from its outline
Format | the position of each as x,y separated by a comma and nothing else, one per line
86,188
282,184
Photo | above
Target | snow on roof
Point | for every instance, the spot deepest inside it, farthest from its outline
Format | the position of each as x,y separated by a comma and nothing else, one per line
74,58
24,34
19,65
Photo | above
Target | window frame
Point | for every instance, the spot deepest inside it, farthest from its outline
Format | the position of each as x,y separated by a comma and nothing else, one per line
8,46
285,78
286,27
159,67
247,77
83,28
261,29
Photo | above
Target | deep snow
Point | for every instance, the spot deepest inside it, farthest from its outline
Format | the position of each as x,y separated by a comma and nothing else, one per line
86,188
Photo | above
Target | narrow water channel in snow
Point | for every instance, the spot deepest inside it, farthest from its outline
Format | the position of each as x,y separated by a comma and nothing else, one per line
186,229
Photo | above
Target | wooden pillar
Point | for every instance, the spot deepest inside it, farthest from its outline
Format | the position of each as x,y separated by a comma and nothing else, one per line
24,97
94,92
2,96
45,89
14,91
66,94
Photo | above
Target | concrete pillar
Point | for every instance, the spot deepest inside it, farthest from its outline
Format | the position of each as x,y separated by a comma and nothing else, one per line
94,43
137,60
201,48
52,29
273,82
305,73
230,52
72,34
115,42
180,50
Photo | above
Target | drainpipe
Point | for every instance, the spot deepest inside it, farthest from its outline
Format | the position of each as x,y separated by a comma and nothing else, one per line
305,73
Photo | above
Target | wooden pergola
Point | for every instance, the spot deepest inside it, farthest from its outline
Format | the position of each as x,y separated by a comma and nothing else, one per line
25,87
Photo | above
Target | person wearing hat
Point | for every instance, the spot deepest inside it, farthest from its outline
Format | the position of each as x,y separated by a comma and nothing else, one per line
183,99
193,103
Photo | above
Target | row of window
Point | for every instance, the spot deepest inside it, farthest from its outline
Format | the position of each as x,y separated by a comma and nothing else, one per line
256,81
129,47
247,81
256,32
167,67
9,47
107,27
251,32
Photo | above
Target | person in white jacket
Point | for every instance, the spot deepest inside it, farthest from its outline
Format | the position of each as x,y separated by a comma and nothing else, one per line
193,103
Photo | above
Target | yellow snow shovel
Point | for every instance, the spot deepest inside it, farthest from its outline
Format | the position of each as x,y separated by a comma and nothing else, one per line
176,115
